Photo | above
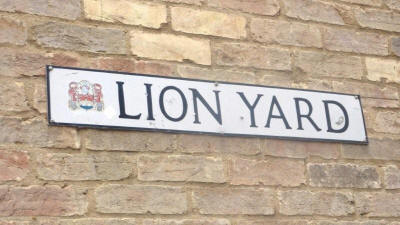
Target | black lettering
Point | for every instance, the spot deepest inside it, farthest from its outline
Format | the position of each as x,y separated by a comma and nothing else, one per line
121,99
251,107
197,95
280,116
184,103
328,117
307,116
150,115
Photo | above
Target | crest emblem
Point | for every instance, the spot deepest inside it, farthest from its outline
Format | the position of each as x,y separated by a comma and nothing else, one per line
84,95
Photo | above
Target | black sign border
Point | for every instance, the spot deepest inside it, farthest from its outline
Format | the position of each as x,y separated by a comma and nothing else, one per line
53,123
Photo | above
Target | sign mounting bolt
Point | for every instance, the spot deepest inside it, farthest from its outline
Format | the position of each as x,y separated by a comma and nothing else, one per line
216,84
50,68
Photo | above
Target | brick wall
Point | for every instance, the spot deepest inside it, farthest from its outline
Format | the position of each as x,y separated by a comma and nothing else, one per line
70,176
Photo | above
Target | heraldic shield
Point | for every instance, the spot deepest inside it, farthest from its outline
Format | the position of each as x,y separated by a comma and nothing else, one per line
86,96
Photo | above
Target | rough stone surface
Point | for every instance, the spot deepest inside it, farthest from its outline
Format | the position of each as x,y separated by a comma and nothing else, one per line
129,141
366,90
170,47
338,39
126,12
181,168
120,198
316,203
214,144
395,45
285,33
250,55
40,97
208,23
14,165
67,9
378,19
328,65
369,222
80,38
89,221
12,31
382,68
300,149
186,222
366,2
263,7
42,201
273,222
385,149
392,177
16,62
380,103
233,201
392,4
387,122
36,132
373,204
193,2
269,172
217,74
61,166
343,175
312,10
12,96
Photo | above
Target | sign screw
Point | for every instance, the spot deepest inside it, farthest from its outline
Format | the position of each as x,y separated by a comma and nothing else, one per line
50,68
356,96
216,84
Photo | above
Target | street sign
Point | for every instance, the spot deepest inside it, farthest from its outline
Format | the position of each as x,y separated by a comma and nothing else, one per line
105,99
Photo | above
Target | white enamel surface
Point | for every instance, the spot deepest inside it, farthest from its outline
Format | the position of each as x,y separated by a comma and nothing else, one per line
235,114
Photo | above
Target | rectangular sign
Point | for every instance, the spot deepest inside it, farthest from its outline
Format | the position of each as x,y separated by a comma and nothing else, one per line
104,99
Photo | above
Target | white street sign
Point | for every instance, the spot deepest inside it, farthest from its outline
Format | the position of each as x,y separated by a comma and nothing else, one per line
104,99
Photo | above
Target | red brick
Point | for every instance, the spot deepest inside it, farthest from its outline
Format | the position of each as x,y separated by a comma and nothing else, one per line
14,165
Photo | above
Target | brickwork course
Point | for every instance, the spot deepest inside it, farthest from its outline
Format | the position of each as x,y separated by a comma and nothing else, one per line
74,176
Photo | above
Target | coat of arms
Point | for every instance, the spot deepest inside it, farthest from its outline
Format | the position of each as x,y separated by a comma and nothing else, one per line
84,95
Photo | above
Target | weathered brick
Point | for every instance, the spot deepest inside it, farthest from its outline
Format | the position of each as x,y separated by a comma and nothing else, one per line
380,103
40,97
134,66
42,201
80,38
385,149
382,68
328,64
315,84
119,198
370,222
300,149
276,78
392,4
67,9
129,141
186,222
61,166
378,19
282,172
14,165
263,7
15,222
312,10
208,23
216,74
215,144
181,168
170,47
387,122
193,2
233,201
365,2
366,90
316,203
272,222
88,221
355,41
36,132
12,31
285,33
12,96
392,177
250,55
373,204
127,12
343,175
395,45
